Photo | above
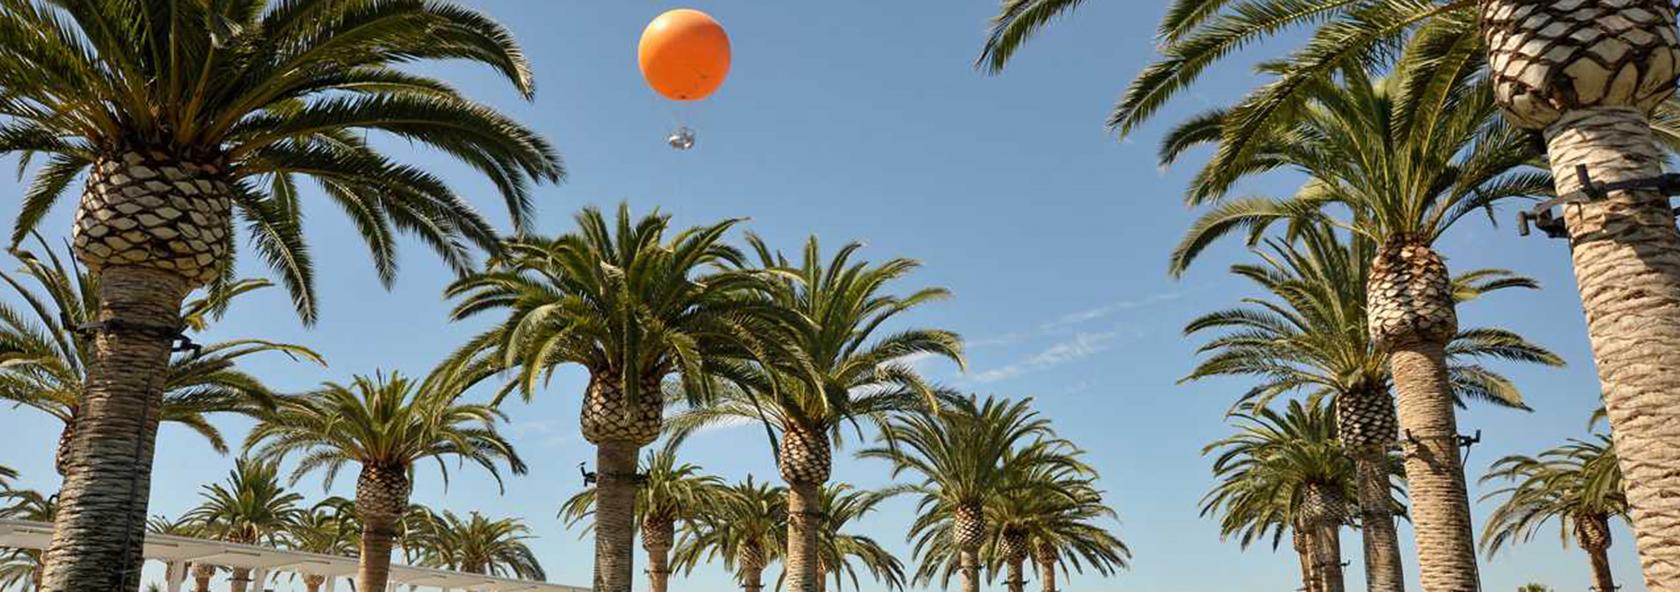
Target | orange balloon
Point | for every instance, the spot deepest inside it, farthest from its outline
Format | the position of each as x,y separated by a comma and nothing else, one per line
684,54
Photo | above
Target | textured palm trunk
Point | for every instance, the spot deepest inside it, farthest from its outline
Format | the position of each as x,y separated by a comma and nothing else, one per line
1302,542
101,520
381,498
1411,317
1017,581
970,566
968,527
657,536
805,461
1327,558
1589,76
1366,424
152,225
201,577
752,578
619,426
1322,512
1592,533
822,577
1044,555
312,583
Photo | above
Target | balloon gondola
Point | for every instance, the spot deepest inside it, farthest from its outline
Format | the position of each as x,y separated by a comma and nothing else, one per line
684,56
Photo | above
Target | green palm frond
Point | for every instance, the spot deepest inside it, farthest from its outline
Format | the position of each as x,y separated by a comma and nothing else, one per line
1580,480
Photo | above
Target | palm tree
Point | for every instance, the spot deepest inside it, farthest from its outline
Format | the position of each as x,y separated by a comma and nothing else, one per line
185,115
1285,471
966,453
846,374
1578,484
479,545
251,508
1054,530
745,527
1587,77
23,567
841,504
46,358
328,529
673,493
632,306
1309,336
385,423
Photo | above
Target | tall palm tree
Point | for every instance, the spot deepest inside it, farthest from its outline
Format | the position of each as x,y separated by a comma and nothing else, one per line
46,359
479,545
632,305
252,507
966,454
1578,484
1403,166
385,423
745,527
1587,76
673,493
24,567
1285,471
327,529
848,373
840,552
1054,530
1309,336
184,116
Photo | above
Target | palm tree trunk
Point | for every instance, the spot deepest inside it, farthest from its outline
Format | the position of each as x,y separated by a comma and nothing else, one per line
313,583
1627,264
201,577
1302,541
804,520
101,521
240,581
1434,473
1046,560
1327,558
1592,533
656,540
381,498
1017,580
615,515
970,564
1603,581
752,578
1618,62
1383,571
822,577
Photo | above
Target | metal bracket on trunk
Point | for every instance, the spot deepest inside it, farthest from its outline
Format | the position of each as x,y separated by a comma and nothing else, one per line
1541,215
591,477
177,336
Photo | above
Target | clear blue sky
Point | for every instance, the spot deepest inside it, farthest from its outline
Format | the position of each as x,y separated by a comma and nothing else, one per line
866,121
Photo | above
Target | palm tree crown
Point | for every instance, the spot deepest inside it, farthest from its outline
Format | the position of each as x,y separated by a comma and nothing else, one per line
251,507
1578,481
479,545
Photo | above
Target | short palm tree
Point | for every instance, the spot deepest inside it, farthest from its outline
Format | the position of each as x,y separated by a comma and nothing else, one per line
1054,531
966,455
479,545
46,359
326,529
1578,484
840,553
1586,76
1285,471
674,493
633,305
251,507
385,424
22,568
185,117
1308,335
744,527
847,372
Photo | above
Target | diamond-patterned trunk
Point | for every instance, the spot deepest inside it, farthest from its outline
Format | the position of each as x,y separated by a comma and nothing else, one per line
968,528
1588,73
1367,427
619,425
610,415
805,461
150,208
1592,533
1013,547
381,498
1045,557
658,534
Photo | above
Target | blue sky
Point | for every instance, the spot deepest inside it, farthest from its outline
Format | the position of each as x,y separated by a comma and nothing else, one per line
866,121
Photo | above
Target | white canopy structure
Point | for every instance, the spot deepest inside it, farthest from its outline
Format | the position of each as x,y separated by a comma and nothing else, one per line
178,550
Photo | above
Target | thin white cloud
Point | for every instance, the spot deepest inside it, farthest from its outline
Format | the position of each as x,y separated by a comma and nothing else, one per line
1082,345
1108,310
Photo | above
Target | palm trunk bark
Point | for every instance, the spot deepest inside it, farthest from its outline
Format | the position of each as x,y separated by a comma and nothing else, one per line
1592,533
1045,557
1603,581
312,583
1589,75
1627,265
822,577
804,520
1434,470
1383,571
240,581
970,564
656,540
101,521
1017,579
1302,541
201,577
615,515
1327,558
752,578
381,498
